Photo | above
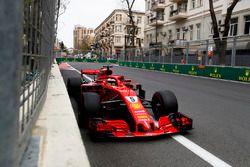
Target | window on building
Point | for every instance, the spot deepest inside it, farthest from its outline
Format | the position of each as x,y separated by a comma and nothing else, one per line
148,5
191,32
247,25
139,30
184,32
177,33
147,38
118,39
118,28
150,37
233,26
198,31
118,17
171,13
148,20
199,3
211,28
192,4
139,18
170,34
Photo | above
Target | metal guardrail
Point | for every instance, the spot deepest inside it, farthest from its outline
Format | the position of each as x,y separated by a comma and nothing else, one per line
193,52
28,32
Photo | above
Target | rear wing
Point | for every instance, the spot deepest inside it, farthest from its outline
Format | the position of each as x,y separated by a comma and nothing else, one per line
90,72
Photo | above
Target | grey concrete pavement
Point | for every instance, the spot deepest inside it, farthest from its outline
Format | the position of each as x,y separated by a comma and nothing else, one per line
56,140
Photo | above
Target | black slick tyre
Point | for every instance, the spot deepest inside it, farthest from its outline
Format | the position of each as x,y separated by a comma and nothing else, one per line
74,86
164,103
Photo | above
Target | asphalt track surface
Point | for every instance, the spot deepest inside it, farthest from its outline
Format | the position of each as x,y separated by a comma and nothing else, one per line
221,114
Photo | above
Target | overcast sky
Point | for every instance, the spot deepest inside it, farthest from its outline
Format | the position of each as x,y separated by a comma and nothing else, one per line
89,13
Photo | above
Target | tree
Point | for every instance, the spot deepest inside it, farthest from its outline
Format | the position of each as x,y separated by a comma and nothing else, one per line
63,48
221,41
87,41
131,27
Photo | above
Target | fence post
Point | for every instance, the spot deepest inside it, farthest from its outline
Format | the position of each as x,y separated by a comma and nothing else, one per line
172,52
187,52
149,59
10,51
207,45
233,52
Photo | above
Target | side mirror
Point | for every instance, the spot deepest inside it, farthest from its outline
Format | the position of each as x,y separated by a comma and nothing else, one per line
142,93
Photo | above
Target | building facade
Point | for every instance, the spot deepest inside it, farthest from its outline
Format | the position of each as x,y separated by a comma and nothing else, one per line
111,36
176,21
81,35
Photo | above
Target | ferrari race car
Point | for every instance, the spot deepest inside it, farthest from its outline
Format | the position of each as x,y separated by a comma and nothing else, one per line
112,106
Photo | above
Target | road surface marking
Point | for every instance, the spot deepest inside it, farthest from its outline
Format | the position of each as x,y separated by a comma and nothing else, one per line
202,153
85,76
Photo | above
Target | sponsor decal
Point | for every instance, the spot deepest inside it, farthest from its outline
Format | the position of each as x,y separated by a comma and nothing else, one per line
137,66
144,119
175,70
215,74
152,67
139,112
142,116
162,67
193,71
132,99
245,78
136,106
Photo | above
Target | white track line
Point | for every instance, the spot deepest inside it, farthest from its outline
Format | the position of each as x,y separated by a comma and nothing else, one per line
196,149
202,153
85,76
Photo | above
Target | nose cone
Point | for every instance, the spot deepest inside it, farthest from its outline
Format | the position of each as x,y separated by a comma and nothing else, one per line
144,126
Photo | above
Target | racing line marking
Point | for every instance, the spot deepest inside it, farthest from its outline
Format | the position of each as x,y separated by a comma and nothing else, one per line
85,76
196,149
202,153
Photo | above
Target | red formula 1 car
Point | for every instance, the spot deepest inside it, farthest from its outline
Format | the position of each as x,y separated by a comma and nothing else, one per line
114,106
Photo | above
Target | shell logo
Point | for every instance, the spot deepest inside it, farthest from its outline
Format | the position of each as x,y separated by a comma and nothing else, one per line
142,116
136,106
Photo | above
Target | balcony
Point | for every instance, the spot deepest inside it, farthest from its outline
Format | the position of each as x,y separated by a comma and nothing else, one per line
156,21
178,14
158,5
178,43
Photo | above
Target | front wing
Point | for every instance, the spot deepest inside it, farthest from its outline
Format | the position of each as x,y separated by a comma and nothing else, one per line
101,128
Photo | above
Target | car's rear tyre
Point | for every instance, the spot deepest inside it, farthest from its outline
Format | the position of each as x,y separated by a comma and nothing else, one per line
164,103
74,86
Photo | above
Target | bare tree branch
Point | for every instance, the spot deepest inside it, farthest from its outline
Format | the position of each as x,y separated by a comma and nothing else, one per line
214,20
228,17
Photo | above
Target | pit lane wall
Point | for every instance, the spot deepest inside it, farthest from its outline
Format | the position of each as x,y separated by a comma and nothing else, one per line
228,73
